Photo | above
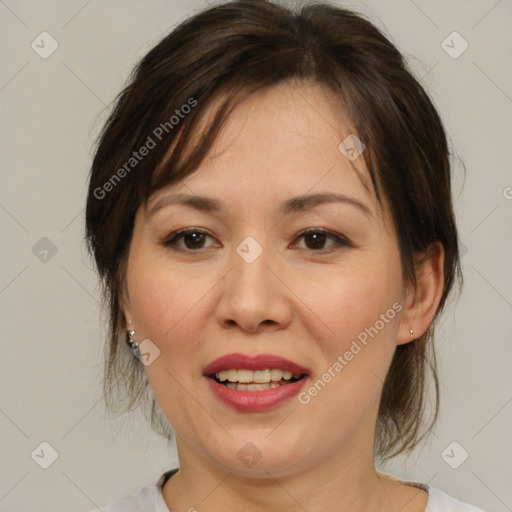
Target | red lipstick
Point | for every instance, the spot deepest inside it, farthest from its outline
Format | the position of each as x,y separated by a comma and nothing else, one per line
260,362
255,401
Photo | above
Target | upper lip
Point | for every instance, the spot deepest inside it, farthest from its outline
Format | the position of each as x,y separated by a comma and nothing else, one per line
259,362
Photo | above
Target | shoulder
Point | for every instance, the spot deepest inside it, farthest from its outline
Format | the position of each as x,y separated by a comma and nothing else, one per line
147,499
439,501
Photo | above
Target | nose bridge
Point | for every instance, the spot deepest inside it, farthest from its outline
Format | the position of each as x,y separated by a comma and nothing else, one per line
251,275
252,294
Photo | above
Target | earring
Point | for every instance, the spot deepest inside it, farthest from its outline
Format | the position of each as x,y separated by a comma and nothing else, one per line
133,344
412,334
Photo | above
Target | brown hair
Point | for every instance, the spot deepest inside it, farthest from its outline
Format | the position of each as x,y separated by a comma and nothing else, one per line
230,51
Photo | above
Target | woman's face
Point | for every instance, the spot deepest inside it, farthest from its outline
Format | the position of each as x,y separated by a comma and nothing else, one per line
247,282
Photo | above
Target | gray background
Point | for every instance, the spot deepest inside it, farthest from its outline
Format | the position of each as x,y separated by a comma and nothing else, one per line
52,329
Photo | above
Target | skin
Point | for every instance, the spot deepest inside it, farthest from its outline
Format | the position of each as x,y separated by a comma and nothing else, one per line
298,300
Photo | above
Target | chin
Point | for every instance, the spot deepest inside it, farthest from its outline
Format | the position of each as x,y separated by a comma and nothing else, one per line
257,457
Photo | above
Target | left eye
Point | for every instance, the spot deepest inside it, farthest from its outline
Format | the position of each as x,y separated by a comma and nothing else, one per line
316,239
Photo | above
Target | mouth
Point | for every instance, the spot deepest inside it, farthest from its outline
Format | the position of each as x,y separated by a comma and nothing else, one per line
255,383
256,380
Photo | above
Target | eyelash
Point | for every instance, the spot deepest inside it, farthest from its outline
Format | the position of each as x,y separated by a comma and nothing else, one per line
339,240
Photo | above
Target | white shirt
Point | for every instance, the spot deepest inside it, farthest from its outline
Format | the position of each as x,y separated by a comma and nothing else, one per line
149,499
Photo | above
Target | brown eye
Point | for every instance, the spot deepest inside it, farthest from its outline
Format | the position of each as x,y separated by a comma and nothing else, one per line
194,240
189,239
315,240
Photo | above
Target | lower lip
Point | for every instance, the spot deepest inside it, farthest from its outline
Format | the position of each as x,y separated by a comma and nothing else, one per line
253,401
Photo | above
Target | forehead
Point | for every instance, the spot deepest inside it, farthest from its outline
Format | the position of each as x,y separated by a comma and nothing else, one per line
287,139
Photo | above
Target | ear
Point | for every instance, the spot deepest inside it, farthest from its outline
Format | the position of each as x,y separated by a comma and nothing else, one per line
421,303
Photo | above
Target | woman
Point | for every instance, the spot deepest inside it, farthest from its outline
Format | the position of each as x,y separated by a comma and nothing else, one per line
270,212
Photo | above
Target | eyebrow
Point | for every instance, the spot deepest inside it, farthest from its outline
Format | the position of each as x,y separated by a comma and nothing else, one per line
292,205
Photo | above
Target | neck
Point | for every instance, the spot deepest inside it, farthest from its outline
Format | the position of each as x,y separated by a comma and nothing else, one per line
342,483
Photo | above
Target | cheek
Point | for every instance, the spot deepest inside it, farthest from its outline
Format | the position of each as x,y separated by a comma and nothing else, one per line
164,304
360,322
355,324
346,302
167,309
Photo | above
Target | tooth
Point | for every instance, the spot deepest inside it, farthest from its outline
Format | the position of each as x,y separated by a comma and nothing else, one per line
245,376
276,375
258,376
232,376
252,387
257,387
261,376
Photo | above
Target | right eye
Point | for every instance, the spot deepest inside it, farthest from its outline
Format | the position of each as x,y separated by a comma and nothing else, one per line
187,240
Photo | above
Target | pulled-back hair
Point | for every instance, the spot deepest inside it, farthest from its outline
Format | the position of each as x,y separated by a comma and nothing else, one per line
227,52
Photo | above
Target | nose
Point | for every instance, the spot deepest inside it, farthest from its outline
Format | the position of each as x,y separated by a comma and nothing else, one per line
254,295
